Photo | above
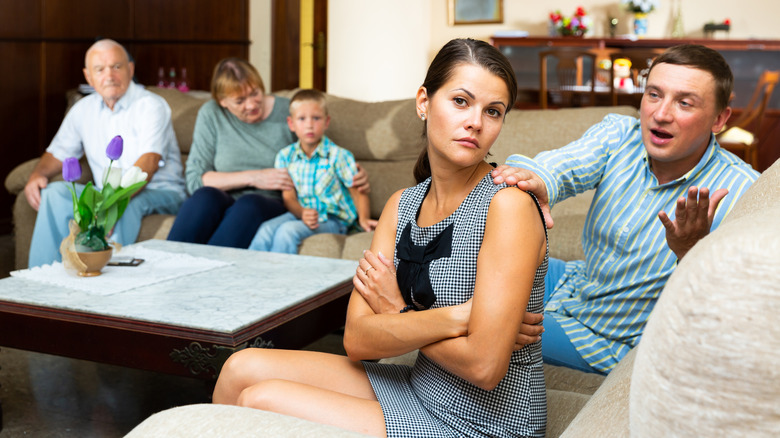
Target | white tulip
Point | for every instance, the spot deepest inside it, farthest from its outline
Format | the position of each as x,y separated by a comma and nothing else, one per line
114,176
132,176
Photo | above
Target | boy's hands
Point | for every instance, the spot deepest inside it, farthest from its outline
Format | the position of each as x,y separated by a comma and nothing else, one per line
310,217
367,224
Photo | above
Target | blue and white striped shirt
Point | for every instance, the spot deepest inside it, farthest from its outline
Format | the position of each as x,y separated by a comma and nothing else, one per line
604,301
322,182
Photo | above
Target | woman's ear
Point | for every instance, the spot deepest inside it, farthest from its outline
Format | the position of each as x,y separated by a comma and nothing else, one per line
422,103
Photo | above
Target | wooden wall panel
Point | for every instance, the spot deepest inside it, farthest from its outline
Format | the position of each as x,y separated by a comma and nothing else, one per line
43,43
87,19
193,20
198,59
20,19
19,111
62,70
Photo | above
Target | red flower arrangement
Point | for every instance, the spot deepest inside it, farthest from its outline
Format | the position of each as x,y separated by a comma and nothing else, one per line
576,25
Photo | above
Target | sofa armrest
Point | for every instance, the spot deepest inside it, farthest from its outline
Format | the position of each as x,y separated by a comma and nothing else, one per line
606,413
222,421
17,178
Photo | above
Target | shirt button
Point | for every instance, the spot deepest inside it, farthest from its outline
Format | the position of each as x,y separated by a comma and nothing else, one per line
625,229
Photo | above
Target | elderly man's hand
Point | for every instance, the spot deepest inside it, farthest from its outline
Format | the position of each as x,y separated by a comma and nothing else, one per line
693,219
32,190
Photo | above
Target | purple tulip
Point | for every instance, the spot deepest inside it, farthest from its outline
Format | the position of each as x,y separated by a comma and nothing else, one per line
71,169
114,149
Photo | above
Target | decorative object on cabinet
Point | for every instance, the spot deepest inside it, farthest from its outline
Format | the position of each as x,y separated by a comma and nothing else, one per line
678,30
573,87
639,61
640,9
711,28
475,11
741,135
576,25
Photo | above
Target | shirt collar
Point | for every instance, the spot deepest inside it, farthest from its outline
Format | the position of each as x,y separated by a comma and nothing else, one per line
126,99
708,155
322,150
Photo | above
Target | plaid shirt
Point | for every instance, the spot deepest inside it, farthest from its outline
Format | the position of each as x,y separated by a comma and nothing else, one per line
322,181
604,301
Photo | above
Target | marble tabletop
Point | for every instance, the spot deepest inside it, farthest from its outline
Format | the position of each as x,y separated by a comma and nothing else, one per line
253,286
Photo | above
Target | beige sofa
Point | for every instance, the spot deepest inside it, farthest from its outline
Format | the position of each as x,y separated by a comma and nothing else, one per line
386,139
706,366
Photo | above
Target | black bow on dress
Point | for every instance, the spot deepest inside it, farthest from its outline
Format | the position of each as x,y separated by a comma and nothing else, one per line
414,263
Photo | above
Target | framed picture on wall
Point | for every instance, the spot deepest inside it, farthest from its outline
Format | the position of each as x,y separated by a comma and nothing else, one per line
476,11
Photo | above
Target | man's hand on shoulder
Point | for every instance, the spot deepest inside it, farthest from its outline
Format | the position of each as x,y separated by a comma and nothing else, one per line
693,219
32,190
526,180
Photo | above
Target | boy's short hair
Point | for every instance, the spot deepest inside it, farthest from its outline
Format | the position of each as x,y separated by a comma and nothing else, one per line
309,95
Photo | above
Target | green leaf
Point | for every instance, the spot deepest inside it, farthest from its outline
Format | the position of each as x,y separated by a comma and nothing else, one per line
124,192
76,212
112,215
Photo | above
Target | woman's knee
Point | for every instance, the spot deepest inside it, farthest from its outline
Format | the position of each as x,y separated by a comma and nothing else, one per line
265,395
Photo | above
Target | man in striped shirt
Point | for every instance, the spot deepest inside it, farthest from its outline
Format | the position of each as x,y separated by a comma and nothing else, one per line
640,169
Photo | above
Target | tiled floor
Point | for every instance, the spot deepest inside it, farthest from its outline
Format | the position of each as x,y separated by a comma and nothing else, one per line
50,396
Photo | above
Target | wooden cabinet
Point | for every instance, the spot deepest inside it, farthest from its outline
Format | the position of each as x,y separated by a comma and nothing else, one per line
43,43
747,58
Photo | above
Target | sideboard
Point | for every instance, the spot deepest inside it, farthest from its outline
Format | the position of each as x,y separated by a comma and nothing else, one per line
747,58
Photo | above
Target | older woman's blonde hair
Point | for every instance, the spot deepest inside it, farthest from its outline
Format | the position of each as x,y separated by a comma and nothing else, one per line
231,76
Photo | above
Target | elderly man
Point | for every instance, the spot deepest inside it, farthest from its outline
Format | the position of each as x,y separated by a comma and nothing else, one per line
640,169
118,107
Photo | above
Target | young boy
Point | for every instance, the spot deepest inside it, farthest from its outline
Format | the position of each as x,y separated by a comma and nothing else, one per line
322,173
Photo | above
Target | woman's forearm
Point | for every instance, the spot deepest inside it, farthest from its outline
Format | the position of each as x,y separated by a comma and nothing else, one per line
227,180
376,336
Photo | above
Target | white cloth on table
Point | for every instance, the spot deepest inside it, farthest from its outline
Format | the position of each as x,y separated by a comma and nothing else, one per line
158,266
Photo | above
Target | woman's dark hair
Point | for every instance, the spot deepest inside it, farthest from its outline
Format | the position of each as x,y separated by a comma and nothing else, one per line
455,53
705,59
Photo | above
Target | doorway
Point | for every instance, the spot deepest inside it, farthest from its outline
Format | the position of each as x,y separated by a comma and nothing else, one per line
299,54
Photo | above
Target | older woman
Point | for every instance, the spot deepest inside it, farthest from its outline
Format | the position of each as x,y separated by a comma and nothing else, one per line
230,172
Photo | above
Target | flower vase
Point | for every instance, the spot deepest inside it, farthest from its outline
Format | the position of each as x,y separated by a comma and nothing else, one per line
640,24
94,261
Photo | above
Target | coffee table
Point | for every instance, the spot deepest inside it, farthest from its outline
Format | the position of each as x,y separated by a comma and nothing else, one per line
187,325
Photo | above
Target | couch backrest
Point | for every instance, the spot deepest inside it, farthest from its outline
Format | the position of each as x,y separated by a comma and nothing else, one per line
386,137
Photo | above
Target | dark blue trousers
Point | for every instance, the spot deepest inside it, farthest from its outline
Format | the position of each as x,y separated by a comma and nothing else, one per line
213,217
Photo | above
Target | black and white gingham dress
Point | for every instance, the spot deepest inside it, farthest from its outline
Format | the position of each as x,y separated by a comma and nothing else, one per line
425,400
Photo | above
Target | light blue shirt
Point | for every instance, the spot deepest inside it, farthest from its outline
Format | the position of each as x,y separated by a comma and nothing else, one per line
322,182
604,301
142,118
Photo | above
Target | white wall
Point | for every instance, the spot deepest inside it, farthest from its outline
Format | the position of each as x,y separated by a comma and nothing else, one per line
380,49
260,36
377,50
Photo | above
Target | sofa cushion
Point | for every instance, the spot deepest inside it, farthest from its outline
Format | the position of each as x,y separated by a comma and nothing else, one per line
708,361
606,413
184,112
222,421
531,131
387,130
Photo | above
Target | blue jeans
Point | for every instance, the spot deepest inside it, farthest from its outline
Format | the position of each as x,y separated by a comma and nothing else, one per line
56,211
556,347
212,216
286,232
